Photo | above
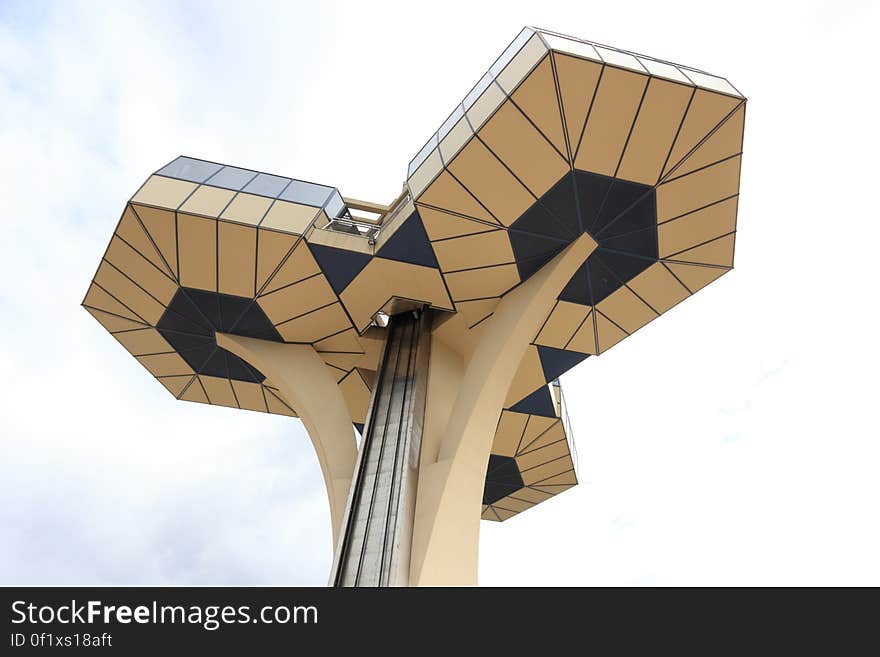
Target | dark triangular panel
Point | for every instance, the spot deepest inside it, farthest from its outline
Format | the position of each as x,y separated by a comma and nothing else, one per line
502,478
556,362
360,427
208,305
231,308
253,323
410,243
530,247
610,270
591,191
538,221
216,364
639,242
239,370
196,357
537,403
529,266
577,290
627,206
560,202
339,266
184,316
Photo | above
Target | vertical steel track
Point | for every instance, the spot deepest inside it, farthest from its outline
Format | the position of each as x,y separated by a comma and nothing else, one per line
374,549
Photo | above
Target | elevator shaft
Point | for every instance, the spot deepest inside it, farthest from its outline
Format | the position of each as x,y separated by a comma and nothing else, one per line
377,528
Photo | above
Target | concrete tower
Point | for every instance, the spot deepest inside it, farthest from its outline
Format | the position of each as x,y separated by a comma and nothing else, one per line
574,195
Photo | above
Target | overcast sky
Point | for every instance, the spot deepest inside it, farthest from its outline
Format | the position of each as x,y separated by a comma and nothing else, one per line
732,441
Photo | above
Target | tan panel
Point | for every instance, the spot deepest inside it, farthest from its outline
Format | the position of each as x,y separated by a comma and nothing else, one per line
608,334
369,377
299,265
511,503
277,405
537,474
131,231
717,252
696,277
509,432
197,238
195,393
162,228
175,384
219,390
357,396
654,131
482,283
584,340
698,189
129,293
249,395
706,111
372,342
165,364
611,117
528,378
164,192
551,435
343,342
237,252
297,299
98,298
208,201
577,83
371,289
503,514
481,250
538,427
536,97
658,287
522,148
440,225
112,322
697,227
727,140
140,270
542,454
289,217
247,208
143,341
566,479
487,179
564,320
316,325
272,247
446,193
341,360
624,308
474,311
532,495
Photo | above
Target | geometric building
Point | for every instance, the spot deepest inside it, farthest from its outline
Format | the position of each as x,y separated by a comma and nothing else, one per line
574,195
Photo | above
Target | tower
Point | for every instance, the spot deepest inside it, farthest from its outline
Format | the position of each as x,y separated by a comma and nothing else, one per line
574,195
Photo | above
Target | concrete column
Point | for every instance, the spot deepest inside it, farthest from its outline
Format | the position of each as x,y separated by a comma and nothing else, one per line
305,381
466,393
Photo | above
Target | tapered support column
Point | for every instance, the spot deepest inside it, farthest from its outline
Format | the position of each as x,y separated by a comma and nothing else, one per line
305,381
469,390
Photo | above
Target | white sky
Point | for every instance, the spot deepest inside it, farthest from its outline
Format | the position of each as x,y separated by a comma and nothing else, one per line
732,441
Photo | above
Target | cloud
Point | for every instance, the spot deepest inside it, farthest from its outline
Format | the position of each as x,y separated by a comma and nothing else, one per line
730,442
